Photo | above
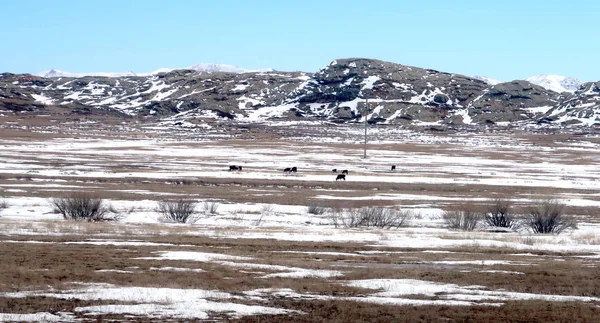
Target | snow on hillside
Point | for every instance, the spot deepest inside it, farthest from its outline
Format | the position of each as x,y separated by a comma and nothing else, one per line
556,83
487,80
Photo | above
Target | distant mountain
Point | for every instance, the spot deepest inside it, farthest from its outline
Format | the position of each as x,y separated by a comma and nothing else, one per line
487,80
211,67
59,73
202,67
346,90
556,83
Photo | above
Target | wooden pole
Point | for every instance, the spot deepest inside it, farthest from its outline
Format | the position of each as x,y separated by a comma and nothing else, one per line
366,113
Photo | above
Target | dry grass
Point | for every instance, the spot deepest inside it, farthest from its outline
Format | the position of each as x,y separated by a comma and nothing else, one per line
35,266
67,262
344,311
44,304
38,266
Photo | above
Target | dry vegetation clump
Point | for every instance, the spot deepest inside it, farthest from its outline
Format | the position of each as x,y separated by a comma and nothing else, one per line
84,207
499,214
466,217
3,204
265,210
210,207
317,209
548,216
379,217
180,210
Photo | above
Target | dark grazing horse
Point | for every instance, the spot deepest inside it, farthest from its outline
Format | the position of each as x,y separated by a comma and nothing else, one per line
287,170
340,176
233,167
345,171
393,167
334,170
294,169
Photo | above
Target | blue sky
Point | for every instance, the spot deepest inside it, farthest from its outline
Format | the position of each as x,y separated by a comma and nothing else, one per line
500,39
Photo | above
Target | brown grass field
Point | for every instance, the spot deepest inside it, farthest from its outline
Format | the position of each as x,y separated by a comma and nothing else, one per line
41,255
28,266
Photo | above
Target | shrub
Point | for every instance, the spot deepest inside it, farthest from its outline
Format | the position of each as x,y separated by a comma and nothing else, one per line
180,210
466,218
379,217
3,204
266,209
210,207
316,209
83,207
499,214
548,217
349,218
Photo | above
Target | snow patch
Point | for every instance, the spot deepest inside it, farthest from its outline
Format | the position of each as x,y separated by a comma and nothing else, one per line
556,83
194,256
42,99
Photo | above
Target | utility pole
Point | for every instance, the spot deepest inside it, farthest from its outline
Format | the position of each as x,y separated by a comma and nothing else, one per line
365,113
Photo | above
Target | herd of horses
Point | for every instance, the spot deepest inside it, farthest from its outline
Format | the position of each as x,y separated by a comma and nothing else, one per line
289,170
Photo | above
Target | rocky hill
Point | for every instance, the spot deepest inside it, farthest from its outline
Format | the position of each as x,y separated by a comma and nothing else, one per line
344,91
583,107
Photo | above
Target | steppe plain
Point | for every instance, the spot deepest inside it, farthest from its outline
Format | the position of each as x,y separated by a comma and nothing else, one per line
262,257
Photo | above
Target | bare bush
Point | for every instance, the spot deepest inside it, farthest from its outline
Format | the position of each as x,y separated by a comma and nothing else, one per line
3,204
548,217
266,209
335,216
344,217
466,218
210,207
385,217
259,220
316,209
499,214
180,210
379,217
84,207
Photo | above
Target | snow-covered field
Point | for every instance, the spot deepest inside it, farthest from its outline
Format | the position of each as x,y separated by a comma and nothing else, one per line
262,251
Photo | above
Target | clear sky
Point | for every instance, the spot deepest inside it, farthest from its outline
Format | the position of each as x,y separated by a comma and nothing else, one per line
505,39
